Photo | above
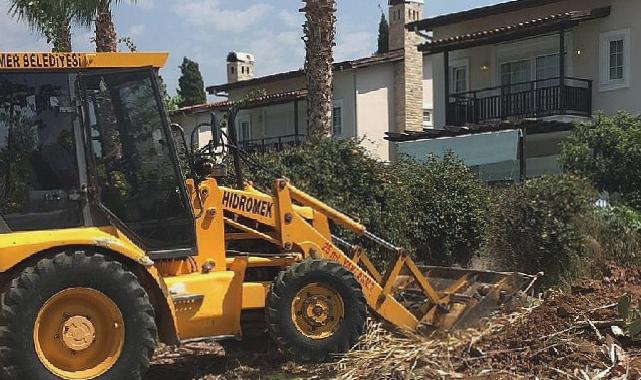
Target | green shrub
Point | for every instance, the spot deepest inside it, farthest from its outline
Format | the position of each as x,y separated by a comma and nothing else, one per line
613,235
342,174
608,152
447,209
535,226
437,210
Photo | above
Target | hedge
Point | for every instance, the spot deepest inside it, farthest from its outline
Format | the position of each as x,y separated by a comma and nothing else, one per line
535,226
437,210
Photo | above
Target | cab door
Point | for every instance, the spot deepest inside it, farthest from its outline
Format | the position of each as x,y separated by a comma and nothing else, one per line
134,176
40,182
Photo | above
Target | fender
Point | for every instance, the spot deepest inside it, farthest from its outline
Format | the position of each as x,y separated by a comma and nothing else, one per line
17,247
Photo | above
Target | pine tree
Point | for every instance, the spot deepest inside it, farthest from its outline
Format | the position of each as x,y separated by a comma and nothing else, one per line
191,85
383,35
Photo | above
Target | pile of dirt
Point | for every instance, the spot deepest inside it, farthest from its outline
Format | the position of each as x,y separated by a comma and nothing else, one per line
566,336
570,335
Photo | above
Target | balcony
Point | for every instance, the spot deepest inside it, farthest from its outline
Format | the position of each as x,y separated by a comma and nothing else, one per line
272,144
526,100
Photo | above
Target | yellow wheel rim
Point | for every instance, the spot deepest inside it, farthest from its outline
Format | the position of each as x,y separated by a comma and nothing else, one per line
317,311
79,334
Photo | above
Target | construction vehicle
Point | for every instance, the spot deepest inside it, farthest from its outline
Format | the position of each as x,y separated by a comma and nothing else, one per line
107,245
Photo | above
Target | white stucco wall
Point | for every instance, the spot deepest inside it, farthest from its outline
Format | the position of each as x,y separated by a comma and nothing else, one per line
375,107
344,95
428,79
190,121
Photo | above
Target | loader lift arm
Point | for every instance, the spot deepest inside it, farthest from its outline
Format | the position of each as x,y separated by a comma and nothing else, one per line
299,223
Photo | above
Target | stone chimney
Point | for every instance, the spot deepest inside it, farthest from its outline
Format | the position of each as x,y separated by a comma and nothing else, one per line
240,66
408,74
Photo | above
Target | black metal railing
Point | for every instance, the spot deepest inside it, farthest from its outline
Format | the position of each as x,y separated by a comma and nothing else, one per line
272,144
534,99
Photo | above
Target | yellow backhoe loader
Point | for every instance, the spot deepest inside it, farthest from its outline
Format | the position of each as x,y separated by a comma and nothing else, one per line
109,244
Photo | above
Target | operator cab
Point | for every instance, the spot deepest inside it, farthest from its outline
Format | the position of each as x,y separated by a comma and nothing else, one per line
89,144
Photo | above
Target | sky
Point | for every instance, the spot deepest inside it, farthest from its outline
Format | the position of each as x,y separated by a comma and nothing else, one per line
206,30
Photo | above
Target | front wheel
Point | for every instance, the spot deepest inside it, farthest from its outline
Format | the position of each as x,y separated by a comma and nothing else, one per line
79,315
315,309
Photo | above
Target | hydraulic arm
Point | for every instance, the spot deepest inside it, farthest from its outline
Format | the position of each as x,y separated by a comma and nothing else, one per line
297,222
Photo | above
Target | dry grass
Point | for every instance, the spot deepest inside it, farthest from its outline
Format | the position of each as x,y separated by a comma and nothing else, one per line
387,356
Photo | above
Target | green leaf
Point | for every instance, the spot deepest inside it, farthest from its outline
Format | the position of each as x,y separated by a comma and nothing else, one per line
634,330
624,306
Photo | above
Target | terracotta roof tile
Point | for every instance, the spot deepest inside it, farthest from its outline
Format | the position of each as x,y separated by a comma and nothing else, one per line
263,100
551,20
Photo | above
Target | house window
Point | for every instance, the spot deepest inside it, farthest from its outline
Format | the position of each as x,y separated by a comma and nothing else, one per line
427,118
337,119
615,60
244,130
458,79
514,74
547,67
547,70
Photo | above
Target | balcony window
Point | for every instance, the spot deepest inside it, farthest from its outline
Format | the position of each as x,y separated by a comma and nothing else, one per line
615,60
547,67
514,73
458,79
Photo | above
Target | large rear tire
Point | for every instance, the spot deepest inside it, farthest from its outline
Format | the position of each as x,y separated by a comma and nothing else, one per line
316,309
79,315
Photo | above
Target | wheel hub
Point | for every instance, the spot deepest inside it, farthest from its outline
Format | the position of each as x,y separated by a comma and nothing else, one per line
317,311
78,333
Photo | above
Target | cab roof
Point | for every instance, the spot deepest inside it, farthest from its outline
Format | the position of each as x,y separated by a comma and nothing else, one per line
77,60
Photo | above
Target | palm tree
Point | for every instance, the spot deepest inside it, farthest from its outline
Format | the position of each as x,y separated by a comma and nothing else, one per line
320,39
106,37
99,11
50,18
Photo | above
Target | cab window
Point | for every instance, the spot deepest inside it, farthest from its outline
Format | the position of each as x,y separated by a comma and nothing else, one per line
39,186
135,174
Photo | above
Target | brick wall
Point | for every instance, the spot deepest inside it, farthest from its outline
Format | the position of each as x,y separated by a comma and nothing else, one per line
408,74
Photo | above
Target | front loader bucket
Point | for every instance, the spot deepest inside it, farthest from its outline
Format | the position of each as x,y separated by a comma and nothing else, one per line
436,297
466,296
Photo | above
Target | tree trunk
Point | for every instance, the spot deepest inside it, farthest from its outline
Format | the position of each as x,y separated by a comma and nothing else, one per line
106,38
62,40
320,39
